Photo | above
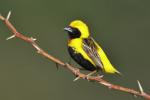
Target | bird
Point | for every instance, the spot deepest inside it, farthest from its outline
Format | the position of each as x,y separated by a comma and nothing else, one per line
85,51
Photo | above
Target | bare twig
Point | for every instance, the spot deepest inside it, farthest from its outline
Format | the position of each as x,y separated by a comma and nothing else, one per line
75,71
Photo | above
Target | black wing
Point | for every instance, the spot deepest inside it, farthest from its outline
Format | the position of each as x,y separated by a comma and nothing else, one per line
90,48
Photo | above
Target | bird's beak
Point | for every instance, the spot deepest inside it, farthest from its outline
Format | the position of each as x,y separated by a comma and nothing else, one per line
68,29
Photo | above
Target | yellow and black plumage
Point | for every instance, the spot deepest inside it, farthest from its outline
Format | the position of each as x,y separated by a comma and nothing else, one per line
84,49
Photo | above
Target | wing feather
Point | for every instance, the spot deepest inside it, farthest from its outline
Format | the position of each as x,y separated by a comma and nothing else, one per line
90,48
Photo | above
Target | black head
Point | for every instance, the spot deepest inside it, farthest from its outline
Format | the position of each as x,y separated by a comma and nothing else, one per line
72,32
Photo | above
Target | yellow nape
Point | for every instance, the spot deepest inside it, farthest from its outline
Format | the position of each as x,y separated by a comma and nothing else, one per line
82,27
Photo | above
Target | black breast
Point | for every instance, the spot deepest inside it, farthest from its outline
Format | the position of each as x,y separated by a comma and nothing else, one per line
80,60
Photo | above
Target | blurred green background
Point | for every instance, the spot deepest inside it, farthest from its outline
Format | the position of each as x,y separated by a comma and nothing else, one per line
122,27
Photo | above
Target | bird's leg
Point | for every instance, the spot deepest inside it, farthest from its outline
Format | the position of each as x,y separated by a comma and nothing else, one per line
91,73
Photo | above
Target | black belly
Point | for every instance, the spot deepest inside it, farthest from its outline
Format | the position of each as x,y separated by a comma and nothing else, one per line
81,61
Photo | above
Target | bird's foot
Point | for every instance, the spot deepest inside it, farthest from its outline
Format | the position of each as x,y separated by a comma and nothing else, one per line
86,77
90,74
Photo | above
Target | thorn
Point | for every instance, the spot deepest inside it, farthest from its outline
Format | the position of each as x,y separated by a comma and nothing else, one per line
10,37
38,48
76,78
34,39
140,87
8,16
135,96
1,17
57,66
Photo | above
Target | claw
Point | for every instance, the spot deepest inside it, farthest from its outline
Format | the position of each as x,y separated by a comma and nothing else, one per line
86,77
78,77
100,76
93,72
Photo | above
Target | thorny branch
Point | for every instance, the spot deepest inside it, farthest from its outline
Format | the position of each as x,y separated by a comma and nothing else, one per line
71,68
